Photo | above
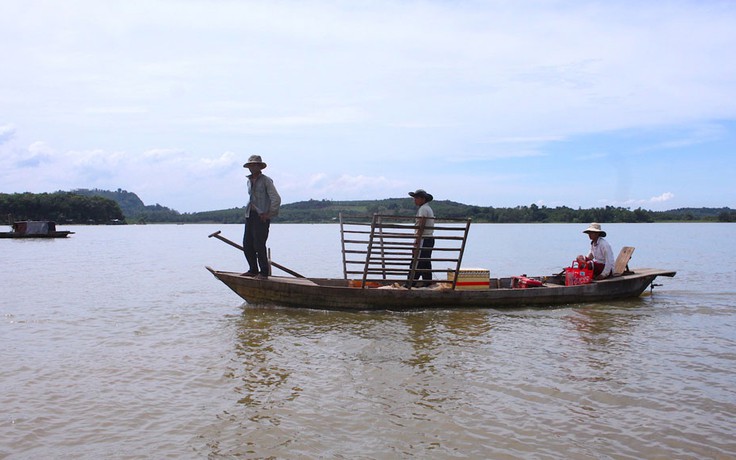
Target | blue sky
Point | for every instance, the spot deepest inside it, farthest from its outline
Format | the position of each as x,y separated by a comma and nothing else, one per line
492,103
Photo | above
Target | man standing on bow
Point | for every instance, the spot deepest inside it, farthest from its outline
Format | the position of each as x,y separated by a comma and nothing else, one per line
263,204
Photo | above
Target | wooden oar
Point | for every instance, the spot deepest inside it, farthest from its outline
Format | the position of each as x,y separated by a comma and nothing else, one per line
236,245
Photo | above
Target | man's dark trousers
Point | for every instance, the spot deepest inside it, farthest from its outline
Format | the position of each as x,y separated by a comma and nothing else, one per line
254,244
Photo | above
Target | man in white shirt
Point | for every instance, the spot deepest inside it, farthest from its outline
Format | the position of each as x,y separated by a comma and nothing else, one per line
601,254
425,225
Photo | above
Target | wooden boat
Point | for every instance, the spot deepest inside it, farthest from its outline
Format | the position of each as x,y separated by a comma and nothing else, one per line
387,263
35,229
340,294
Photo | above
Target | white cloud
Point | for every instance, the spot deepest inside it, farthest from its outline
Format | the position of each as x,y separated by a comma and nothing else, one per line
226,160
37,154
6,133
667,196
644,203
162,154
338,187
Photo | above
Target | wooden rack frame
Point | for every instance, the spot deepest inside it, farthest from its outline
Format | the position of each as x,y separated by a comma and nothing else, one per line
384,248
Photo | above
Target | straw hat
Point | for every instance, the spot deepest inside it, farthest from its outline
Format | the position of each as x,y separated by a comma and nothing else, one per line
422,194
255,160
595,227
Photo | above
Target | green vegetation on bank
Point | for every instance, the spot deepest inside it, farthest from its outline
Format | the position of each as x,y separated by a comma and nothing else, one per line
133,207
103,206
62,207
320,211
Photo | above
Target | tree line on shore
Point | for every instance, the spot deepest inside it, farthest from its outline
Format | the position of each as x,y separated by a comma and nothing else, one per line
61,207
84,206
324,211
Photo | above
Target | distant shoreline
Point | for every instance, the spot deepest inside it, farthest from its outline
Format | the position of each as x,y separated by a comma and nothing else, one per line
100,207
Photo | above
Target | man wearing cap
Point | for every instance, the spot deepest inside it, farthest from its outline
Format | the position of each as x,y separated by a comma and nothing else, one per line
425,224
263,204
601,254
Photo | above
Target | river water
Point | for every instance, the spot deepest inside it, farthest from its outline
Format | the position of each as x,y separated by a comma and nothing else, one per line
117,343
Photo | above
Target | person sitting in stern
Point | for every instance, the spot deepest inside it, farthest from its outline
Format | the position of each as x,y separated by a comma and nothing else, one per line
600,255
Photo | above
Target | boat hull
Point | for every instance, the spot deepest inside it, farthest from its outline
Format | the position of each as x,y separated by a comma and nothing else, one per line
336,294
61,234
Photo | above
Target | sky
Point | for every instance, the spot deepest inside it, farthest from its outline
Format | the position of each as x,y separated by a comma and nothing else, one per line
491,103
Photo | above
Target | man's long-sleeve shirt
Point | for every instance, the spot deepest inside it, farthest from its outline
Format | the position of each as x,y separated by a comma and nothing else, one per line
263,196
601,252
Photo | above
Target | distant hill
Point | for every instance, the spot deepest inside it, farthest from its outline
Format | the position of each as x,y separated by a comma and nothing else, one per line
133,207
129,202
